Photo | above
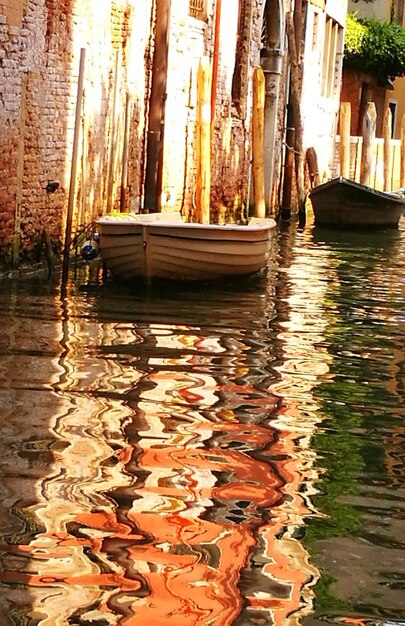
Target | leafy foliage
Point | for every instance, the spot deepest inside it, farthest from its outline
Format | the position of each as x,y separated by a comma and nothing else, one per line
355,35
374,47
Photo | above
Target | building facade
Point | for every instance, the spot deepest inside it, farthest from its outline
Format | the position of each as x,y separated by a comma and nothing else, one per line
123,44
128,140
323,57
359,88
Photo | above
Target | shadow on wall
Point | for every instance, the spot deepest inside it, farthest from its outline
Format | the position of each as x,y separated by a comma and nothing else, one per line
45,109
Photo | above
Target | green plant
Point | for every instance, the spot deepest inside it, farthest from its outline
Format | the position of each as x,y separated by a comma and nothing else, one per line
374,47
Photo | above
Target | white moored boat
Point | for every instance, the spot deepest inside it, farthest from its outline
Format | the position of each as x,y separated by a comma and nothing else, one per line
161,245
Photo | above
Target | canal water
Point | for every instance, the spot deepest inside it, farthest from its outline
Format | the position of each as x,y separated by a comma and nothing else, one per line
214,455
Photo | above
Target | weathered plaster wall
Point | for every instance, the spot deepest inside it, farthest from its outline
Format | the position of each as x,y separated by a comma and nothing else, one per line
191,39
379,9
320,113
231,148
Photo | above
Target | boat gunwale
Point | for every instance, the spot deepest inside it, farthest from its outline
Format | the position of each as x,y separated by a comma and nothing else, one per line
109,220
341,180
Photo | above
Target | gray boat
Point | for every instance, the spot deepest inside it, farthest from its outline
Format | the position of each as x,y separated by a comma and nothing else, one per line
344,203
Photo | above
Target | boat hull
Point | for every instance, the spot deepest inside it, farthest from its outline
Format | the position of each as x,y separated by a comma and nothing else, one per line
344,203
162,246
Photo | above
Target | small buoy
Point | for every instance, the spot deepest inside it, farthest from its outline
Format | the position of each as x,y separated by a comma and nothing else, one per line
90,249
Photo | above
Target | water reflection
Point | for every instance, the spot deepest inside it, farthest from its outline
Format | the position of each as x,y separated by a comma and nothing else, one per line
163,450
359,543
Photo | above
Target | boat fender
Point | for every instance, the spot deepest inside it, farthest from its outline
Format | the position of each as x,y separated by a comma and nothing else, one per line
90,249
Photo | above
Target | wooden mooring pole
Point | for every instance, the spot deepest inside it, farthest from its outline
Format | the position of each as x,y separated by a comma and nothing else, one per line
203,123
387,135
369,129
73,172
113,134
258,143
344,129
402,163
125,153
313,168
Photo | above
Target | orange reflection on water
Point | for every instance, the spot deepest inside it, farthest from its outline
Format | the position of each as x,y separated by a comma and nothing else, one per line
173,492
190,565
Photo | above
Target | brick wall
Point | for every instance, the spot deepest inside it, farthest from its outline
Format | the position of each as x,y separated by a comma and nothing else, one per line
352,85
10,98
39,61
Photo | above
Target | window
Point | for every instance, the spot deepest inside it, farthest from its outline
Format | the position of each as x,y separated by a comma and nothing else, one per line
332,55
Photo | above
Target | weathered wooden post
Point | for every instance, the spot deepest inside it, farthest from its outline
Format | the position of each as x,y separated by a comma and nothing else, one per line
369,126
203,147
156,116
312,161
125,153
215,62
402,164
73,171
344,148
387,134
258,142
295,95
20,171
113,135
